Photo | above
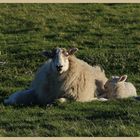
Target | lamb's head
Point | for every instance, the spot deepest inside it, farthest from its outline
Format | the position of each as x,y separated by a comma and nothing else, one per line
112,84
59,56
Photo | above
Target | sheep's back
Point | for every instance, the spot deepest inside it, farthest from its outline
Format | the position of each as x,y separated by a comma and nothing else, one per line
131,90
81,78
125,90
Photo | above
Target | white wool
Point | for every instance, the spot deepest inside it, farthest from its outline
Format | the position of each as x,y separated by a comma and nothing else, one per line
125,90
78,83
117,88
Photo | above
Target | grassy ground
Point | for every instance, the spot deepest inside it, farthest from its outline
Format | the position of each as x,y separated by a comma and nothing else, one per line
106,34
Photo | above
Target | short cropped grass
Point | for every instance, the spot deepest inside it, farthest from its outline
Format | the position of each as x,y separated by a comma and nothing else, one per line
106,35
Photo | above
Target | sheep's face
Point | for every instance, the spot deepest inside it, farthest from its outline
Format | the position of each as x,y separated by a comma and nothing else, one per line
60,59
112,84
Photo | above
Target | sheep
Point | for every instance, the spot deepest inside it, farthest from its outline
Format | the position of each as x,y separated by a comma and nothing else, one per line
64,77
117,87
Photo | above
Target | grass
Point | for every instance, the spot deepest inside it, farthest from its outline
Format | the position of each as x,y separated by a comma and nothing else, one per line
106,34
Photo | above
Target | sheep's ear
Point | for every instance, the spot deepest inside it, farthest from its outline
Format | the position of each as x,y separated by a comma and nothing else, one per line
72,51
122,78
48,54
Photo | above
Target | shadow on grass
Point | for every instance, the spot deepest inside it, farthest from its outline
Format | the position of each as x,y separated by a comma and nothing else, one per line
19,31
108,115
20,25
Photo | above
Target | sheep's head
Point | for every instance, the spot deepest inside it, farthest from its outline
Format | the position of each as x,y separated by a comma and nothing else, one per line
59,58
111,85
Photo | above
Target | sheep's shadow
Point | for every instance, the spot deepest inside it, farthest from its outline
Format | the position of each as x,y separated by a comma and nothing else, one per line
107,115
19,31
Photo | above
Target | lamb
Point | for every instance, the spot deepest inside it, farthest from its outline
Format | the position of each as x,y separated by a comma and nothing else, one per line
64,77
117,87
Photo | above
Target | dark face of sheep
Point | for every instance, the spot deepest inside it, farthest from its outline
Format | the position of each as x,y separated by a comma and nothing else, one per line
110,85
59,58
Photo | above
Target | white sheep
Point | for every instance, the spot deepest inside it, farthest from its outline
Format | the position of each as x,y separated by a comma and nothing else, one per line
117,87
64,77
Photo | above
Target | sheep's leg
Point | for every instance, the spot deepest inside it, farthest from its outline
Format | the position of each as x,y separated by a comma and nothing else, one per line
61,100
25,97
94,99
102,99
99,99
11,99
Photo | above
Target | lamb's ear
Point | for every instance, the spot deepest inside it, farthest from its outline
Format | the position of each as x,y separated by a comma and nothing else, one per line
72,51
122,78
48,54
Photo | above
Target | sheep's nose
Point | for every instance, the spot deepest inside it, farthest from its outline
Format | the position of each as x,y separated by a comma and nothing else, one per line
59,67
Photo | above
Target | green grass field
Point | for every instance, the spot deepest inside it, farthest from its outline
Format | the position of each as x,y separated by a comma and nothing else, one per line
106,34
